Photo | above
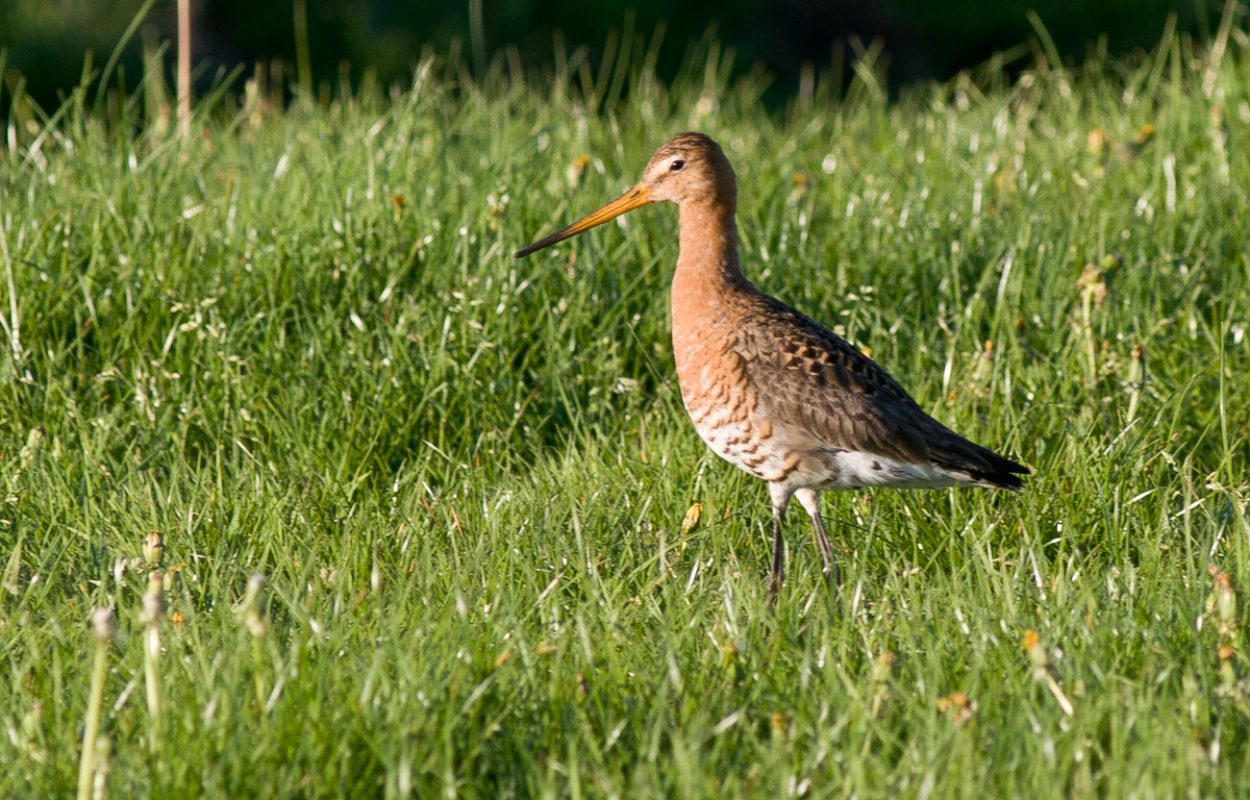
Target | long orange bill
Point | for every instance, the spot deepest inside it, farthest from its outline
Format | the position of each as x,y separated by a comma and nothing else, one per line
635,197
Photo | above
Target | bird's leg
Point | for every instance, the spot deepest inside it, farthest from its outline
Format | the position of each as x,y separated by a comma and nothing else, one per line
781,499
779,559
810,500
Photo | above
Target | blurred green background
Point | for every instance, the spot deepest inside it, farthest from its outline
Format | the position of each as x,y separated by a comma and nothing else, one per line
46,40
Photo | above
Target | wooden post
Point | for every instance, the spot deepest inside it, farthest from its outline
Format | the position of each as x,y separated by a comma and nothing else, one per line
184,66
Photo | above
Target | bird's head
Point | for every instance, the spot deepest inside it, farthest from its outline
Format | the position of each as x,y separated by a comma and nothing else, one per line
687,167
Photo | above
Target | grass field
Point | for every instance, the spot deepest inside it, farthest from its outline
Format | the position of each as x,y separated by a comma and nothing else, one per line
294,343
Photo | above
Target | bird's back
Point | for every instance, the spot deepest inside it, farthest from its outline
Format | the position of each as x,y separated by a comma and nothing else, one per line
826,414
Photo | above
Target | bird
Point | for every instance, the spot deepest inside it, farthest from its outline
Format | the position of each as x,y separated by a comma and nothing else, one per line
770,390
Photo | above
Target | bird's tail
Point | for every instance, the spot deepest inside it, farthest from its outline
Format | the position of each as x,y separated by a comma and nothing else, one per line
982,465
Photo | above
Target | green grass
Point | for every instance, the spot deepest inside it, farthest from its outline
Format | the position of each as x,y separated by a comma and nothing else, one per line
296,345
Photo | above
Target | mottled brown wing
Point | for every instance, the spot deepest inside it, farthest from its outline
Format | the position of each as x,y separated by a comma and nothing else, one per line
817,384
814,381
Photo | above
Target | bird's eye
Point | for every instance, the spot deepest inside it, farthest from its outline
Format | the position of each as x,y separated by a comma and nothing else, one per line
676,165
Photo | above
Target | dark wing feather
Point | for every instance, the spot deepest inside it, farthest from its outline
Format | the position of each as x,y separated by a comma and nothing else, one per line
814,381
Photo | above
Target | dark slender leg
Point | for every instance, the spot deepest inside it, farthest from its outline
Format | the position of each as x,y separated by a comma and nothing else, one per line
826,551
779,559
810,500
781,498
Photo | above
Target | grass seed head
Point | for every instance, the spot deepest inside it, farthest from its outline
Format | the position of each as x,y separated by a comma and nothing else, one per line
577,170
1032,642
152,609
250,610
1221,605
691,520
34,443
956,706
103,624
153,548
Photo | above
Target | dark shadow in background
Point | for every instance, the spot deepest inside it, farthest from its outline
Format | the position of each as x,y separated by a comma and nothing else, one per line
924,39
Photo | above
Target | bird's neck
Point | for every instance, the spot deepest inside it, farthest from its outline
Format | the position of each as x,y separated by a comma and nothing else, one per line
706,286
707,260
